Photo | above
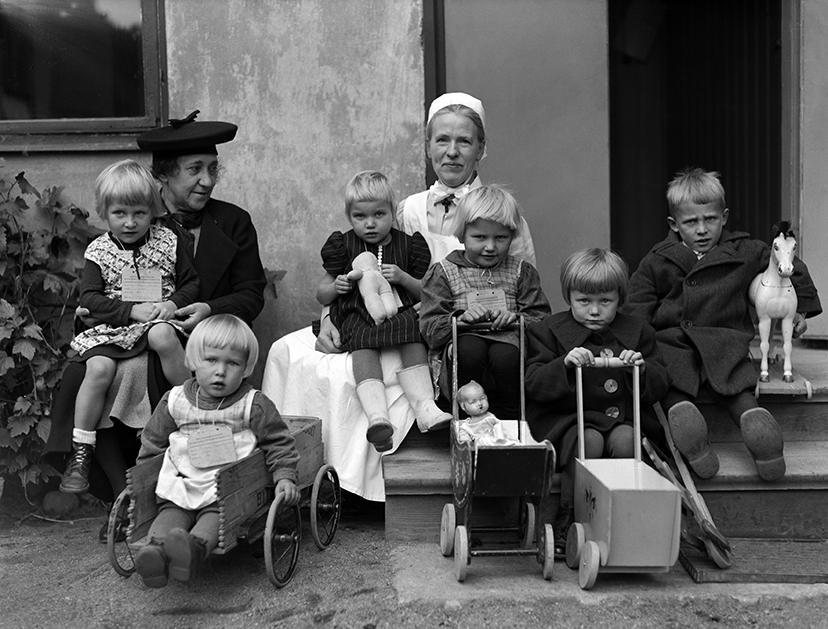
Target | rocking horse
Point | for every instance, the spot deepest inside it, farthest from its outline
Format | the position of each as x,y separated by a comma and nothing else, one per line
774,297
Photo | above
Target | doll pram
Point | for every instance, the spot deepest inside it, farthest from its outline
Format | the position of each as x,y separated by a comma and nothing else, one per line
512,471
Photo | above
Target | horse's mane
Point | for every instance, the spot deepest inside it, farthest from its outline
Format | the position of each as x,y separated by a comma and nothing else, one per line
783,228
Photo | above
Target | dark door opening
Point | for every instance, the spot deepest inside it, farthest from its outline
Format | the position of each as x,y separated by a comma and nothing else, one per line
693,83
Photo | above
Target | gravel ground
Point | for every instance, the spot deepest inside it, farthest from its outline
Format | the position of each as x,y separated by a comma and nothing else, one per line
55,574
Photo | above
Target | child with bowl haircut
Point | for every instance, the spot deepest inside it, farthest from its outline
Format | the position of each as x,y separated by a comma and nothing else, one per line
135,277
594,284
211,420
402,260
483,284
692,287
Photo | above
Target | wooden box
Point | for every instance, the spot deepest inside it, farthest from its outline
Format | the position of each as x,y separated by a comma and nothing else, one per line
307,431
631,511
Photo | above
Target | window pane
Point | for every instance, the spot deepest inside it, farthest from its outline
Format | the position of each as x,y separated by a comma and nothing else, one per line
70,59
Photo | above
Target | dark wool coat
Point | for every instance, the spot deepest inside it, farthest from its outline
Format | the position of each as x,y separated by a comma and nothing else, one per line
699,308
227,262
550,386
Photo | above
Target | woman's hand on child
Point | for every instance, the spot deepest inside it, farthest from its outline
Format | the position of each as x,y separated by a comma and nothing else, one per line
579,356
290,493
144,312
166,310
189,316
343,285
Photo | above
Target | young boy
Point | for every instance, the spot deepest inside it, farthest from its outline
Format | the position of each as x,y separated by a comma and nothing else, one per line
693,288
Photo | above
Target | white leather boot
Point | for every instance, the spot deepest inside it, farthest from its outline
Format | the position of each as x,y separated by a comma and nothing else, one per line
416,382
371,394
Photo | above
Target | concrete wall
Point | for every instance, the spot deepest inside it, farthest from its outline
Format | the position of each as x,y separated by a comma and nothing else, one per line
320,90
541,70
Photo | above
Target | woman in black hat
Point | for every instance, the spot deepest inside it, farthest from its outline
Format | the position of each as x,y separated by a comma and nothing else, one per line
225,253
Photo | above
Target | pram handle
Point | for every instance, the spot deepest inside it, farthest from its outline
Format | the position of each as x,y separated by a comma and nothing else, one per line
484,326
603,362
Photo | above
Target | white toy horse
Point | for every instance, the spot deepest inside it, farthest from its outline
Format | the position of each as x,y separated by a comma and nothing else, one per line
774,297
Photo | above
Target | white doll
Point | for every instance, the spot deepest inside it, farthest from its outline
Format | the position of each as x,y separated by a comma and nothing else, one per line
482,427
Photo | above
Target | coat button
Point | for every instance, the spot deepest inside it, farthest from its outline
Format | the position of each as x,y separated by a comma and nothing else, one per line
613,412
687,324
611,386
606,353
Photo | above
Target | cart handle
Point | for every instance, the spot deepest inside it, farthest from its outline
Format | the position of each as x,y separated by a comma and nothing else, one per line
603,362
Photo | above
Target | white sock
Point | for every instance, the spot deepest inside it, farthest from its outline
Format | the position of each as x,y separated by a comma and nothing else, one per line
84,436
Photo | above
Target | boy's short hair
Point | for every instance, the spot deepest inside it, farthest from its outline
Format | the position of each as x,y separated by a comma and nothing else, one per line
369,185
594,271
493,203
127,183
697,186
220,331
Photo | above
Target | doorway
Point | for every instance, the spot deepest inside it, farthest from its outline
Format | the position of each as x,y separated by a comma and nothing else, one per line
693,83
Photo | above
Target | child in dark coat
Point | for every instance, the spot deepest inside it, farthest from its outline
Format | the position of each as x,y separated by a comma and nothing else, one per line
693,288
594,284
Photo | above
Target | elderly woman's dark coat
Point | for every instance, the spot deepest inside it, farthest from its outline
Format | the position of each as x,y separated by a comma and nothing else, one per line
700,308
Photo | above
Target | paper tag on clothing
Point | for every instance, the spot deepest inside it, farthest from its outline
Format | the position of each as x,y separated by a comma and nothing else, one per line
491,299
143,285
211,445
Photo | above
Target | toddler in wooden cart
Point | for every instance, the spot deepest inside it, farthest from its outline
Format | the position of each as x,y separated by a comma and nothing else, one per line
211,420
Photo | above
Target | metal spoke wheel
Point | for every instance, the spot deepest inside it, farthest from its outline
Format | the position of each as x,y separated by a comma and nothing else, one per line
325,506
283,535
448,522
120,555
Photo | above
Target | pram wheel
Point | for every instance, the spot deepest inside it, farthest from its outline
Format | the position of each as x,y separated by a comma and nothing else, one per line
448,522
283,535
461,553
120,554
575,539
590,562
528,525
325,506
548,548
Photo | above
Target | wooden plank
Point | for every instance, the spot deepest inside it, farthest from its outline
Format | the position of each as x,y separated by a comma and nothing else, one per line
141,481
249,470
770,513
762,561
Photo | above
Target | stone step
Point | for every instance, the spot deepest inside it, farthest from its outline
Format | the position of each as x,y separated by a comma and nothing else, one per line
418,484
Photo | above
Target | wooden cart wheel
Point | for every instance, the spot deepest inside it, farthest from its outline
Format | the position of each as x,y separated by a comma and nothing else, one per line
548,551
283,535
461,553
528,525
721,559
325,506
448,522
590,561
120,554
575,540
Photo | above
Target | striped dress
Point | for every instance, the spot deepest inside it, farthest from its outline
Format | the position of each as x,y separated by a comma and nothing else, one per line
348,313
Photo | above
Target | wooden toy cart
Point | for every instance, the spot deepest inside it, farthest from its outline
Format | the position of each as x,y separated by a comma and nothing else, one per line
515,471
248,510
627,516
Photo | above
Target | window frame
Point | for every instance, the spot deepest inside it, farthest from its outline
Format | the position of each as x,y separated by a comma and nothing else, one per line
97,134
